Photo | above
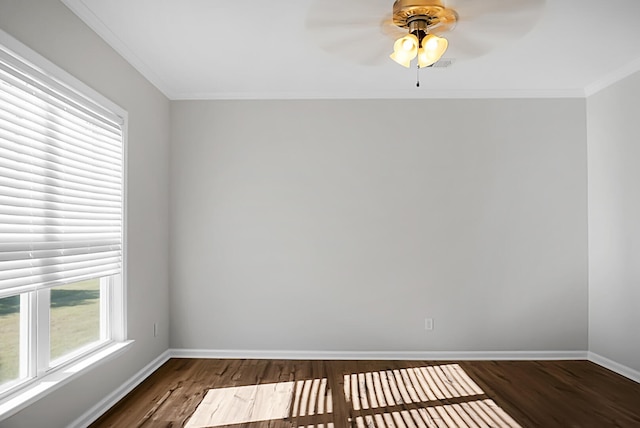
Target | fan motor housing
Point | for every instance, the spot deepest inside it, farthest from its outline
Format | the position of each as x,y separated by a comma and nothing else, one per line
432,11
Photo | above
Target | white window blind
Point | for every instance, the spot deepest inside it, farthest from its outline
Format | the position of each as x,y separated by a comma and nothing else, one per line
61,178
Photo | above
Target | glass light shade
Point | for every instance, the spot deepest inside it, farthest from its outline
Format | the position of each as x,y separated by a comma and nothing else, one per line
433,47
405,49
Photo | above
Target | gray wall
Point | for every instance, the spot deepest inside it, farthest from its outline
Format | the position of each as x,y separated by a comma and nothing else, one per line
52,30
341,225
614,225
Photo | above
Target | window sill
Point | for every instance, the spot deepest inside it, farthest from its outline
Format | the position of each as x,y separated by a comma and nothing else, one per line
49,383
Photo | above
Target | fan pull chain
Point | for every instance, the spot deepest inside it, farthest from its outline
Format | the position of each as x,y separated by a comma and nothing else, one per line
418,77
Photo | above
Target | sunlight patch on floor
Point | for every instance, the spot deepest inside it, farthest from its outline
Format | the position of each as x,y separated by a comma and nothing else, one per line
255,403
385,399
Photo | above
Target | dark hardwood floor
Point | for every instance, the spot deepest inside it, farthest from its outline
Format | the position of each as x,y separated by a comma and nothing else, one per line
275,393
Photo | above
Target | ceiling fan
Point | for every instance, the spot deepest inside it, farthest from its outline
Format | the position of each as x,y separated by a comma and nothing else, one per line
368,32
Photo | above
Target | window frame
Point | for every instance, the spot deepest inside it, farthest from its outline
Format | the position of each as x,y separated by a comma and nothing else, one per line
38,377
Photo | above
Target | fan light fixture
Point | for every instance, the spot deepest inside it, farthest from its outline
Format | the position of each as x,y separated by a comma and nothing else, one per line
421,17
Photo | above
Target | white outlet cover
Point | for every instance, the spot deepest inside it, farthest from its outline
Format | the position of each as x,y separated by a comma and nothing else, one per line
428,323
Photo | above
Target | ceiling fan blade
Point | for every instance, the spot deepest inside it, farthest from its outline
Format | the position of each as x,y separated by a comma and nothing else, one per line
462,47
471,9
355,46
355,30
484,26
341,23
332,14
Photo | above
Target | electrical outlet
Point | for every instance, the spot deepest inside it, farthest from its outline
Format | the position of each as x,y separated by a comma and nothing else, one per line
428,324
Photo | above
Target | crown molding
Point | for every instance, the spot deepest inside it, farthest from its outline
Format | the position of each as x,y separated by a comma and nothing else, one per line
423,93
83,12
612,78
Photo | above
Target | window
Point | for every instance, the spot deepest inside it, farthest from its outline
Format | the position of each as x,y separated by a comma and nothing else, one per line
61,223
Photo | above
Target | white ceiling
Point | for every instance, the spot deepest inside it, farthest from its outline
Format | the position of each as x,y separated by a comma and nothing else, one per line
256,49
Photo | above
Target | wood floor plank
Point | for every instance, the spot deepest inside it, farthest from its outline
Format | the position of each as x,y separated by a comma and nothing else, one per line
378,394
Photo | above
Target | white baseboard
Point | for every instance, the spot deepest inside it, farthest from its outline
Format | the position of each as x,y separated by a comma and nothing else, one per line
623,370
96,411
110,400
379,355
